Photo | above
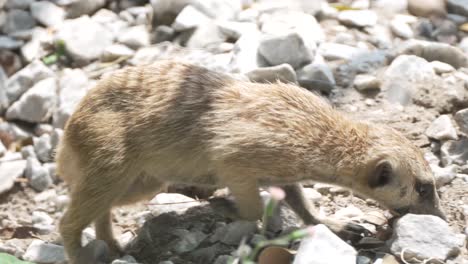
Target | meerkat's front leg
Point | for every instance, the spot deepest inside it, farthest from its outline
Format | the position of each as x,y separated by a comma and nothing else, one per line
296,199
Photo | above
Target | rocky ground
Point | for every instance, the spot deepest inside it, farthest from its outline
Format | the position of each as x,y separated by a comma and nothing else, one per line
397,62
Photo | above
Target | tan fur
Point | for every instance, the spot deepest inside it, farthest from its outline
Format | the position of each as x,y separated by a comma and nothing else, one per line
143,127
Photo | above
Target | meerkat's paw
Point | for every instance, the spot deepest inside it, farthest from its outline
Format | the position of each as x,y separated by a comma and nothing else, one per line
347,231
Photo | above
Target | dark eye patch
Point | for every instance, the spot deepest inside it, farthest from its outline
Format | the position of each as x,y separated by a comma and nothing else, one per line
424,189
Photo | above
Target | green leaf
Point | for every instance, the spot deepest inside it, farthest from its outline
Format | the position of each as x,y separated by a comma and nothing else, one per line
9,259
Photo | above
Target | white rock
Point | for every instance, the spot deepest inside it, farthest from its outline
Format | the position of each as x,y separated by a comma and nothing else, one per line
84,38
444,175
350,211
189,18
125,238
9,172
43,252
17,20
3,149
171,202
127,259
245,57
20,4
442,129
365,82
116,51
312,195
45,196
43,147
73,86
37,175
283,72
3,94
401,29
83,7
222,9
336,51
39,217
288,48
135,37
461,118
28,151
404,76
47,13
55,137
24,79
441,67
61,201
424,237
235,30
35,49
324,247
285,22
36,104
206,35
358,18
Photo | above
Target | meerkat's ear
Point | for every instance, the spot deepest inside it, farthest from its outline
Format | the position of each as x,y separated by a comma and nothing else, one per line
381,175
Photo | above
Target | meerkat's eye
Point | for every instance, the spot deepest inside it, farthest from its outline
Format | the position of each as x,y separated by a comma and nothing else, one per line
424,189
382,175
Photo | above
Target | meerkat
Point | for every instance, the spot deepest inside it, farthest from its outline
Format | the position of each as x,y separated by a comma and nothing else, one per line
171,122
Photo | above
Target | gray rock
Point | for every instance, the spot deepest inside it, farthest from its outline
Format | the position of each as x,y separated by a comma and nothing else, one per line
458,7
188,240
11,156
412,234
358,18
84,39
283,73
442,129
55,137
427,8
3,94
461,118
84,7
28,151
171,202
435,51
43,147
9,172
404,76
36,104
73,85
366,83
10,43
288,48
116,51
163,33
43,222
223,259
189,18
444,175
324,247
47,13
134,37
18,20
52,169
38,176
234,232
454,152
42,252
20,4
24,79
318,70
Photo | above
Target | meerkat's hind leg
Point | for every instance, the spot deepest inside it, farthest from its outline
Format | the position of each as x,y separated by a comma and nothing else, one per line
89,202
296,199
104,232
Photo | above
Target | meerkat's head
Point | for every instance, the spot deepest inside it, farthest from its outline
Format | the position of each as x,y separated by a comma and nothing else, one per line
397,175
